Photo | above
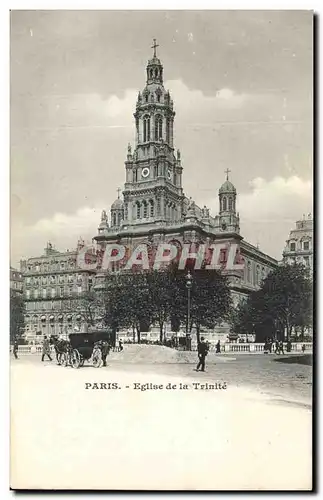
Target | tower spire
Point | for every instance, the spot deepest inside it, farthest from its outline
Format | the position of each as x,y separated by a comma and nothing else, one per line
154,46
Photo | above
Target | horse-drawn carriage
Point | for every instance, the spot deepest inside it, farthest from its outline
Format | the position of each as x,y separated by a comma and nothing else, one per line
82,347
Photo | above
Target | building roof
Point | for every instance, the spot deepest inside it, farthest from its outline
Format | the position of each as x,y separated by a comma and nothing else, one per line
227,187
117,204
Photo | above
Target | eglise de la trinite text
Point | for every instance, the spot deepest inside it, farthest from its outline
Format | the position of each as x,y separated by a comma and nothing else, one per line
138,386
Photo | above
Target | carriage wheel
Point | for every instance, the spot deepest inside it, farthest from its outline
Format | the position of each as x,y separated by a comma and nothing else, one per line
75,359
97,358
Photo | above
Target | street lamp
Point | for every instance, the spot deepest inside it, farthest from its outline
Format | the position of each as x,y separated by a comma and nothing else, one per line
189,281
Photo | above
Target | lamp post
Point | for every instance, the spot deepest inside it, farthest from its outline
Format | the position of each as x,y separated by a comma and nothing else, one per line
189,281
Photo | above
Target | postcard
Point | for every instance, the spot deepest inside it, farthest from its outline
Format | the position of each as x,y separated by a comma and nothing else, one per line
161,273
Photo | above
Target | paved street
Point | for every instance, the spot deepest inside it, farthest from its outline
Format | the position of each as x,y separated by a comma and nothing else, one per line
289,383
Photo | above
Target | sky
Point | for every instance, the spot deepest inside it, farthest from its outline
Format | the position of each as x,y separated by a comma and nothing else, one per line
241,82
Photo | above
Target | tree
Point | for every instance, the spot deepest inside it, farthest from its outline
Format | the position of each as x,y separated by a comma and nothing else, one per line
138,302
288,292
284,302
17,309
127,302
88,304
210,300
165,295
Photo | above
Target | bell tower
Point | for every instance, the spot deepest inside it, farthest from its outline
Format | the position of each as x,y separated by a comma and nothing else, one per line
153,189
228,219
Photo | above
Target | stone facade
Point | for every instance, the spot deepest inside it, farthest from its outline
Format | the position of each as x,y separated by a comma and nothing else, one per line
299,246
16,281
154,207
51,281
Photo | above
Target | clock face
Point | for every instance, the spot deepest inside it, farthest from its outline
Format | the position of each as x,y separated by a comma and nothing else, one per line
169,174
145,172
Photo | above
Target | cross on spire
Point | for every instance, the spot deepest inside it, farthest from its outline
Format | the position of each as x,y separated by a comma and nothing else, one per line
154,46
118,193
227,171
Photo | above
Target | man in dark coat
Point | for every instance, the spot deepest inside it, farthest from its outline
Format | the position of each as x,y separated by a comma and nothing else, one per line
46,349
202,351
105,349
15,348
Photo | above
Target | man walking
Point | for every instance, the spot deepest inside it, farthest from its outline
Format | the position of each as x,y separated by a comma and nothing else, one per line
105,349
15,348
120,345
202,351
46,349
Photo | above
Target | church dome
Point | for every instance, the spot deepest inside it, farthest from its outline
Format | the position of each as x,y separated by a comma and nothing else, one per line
154,61
104,224
227,187
117,204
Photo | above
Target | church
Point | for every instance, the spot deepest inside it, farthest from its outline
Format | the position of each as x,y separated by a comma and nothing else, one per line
153,206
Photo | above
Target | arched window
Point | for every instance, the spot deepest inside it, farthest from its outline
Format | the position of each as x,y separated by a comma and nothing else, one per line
230,203
224,203
158,128
249,272
156,73
158,97
258,277
114,219
167,130
151,73
152,208
134,175
138,210
155,171
145,209
146,124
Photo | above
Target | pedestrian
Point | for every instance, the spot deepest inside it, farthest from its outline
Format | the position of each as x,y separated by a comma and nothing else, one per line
270,345
15,348
266,346
303,348
46,349
120,345
281,347
202,351
277,347
218,347
105,349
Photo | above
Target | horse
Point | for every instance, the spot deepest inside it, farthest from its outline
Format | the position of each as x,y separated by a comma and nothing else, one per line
61,347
